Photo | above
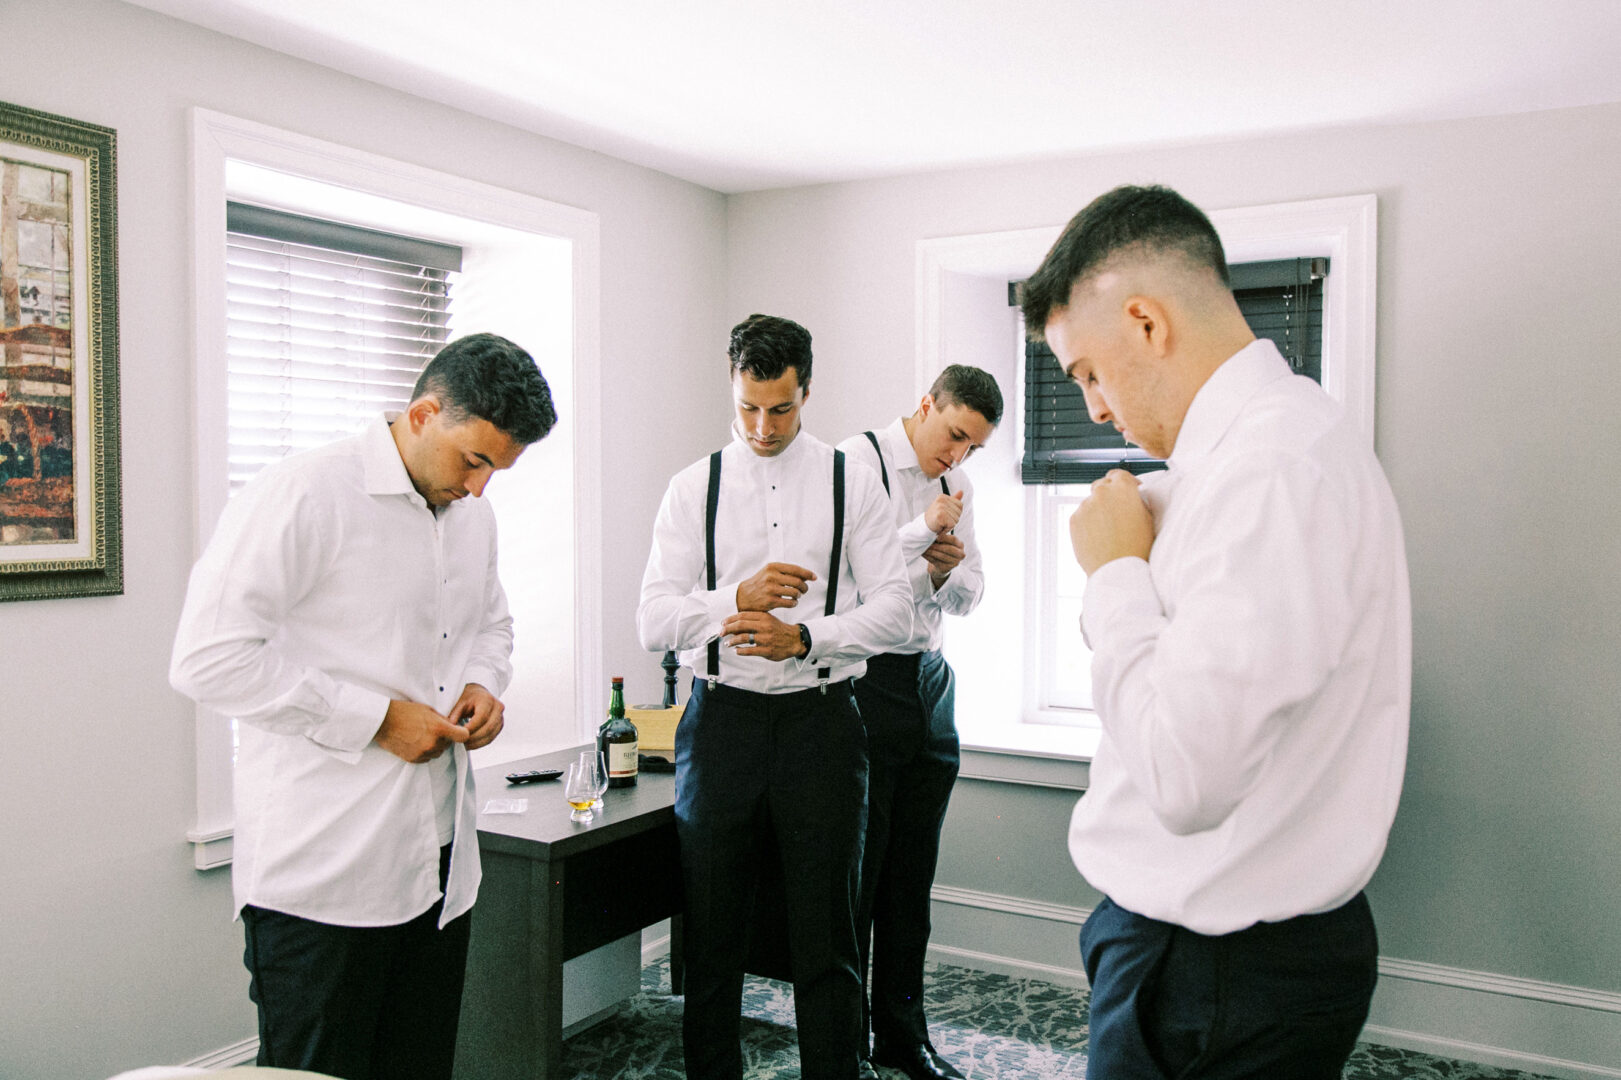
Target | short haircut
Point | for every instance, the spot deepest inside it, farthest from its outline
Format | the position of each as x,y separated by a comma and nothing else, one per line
765,346
488,377
971,388
1125,221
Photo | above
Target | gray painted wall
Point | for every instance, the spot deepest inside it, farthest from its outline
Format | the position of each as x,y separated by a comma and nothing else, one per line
1498,375
114,952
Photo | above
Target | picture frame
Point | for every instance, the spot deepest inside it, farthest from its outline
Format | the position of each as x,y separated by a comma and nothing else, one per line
61,522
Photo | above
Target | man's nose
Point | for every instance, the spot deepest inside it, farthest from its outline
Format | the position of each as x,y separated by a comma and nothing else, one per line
476,481
1096,409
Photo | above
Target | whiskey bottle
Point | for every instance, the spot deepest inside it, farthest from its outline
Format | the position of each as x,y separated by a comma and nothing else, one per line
616,739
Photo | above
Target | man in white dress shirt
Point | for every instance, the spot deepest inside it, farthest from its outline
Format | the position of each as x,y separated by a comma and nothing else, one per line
348,615
1249,618
775,574
907,699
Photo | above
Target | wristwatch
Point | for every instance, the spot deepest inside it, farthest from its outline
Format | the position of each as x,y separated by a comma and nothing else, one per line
805,639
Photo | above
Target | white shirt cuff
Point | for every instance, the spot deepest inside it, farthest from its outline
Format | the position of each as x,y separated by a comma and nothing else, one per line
356,716
1113,588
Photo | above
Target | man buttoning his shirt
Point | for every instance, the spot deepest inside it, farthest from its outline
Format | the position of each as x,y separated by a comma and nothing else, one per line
907,701
775,573
348,614
1249,620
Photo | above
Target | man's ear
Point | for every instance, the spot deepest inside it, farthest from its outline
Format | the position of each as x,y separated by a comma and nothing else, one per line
926,406
1149,324
804,394
420,411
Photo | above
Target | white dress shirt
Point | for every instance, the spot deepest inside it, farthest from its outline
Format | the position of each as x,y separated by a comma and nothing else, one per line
1252,677
329,588
775,509
910,494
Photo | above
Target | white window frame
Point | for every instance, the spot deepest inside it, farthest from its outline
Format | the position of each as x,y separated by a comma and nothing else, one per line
217,140
1343,229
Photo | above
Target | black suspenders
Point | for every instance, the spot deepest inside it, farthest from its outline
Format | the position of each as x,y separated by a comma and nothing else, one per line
713,503
710,506
883,471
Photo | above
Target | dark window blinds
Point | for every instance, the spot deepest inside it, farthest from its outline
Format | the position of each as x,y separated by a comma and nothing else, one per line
326,326
1281,300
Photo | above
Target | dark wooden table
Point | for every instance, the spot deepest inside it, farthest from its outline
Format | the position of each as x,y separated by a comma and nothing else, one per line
555,889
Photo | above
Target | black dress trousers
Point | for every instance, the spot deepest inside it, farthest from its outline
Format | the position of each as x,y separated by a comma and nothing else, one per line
358,1002
1276,1000
908,705
784,774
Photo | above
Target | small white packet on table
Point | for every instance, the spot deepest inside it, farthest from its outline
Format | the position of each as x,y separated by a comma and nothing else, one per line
506,806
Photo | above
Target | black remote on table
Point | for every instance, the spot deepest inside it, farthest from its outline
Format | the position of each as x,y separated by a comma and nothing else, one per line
533,775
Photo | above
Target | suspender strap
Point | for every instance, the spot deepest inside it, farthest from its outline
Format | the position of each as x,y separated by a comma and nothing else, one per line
710,507
823,674
883,470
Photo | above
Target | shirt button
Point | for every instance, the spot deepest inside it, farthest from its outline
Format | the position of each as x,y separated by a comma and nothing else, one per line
441,689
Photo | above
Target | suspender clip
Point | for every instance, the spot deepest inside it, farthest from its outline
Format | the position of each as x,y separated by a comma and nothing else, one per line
823,682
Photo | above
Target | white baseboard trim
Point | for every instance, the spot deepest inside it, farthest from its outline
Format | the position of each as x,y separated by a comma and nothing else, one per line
1488,1055
652,950
1438,1009
242,1053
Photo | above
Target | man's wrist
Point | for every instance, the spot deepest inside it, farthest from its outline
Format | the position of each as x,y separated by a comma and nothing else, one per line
804,641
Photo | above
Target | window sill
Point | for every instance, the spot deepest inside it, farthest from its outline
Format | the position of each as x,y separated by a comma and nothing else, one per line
1040,755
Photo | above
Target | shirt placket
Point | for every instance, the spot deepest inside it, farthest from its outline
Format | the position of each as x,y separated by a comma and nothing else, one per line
441,617
775,525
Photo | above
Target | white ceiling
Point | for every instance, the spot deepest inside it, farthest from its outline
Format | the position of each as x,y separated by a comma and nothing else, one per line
744,94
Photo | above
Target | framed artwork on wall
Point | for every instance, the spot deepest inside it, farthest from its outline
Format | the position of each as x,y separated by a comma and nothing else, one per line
60,512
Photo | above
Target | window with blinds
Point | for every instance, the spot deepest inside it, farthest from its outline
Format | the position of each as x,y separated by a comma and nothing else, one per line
1281,300
326,326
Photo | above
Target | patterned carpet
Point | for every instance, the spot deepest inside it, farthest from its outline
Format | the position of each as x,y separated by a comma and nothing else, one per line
992,1027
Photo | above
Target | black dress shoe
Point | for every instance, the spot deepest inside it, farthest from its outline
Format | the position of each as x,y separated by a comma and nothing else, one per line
865,1071
918,1062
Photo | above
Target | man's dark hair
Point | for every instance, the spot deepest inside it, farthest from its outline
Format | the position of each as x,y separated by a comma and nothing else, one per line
1145,220
971,388
765,346
488,377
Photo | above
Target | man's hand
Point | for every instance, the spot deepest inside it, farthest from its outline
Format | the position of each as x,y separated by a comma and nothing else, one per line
780,584
943,556
480,713
415,733
1112,522
754,633
943,513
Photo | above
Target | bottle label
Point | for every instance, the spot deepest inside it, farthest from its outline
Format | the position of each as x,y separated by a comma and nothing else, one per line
622,759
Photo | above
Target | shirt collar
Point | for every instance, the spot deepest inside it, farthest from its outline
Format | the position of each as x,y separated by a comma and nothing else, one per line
1222,398
385,469
897,447
790,453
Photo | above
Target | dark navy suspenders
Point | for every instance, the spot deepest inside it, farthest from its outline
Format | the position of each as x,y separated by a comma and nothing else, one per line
883,471
711,505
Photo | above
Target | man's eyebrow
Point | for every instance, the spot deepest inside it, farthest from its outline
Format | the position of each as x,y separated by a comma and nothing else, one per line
483,457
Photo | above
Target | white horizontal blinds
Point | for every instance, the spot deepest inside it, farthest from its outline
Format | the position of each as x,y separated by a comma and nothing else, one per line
326,326
1281,300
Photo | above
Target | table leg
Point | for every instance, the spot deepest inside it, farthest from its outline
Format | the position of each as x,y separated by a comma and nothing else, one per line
678,966
512,1006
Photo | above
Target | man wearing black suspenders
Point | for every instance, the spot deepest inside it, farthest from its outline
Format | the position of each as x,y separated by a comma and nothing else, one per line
775,573
906,699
